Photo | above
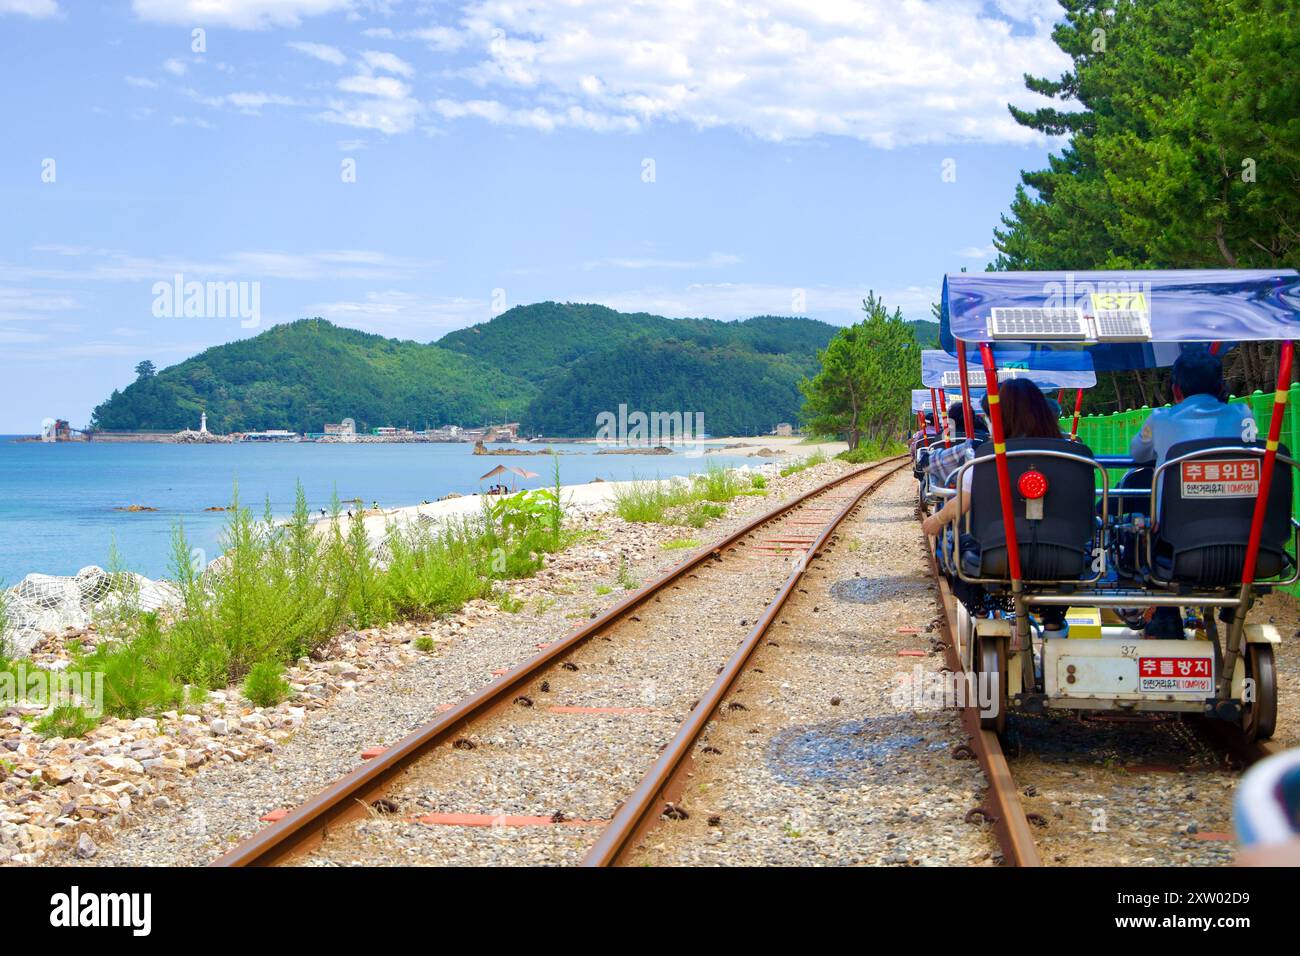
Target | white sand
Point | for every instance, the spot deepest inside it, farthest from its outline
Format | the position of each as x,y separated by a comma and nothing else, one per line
591,496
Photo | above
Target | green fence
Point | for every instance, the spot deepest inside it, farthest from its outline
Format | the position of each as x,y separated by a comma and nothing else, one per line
1111,434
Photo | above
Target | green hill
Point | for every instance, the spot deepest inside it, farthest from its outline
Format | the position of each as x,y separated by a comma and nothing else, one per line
739,390
305,373
552,366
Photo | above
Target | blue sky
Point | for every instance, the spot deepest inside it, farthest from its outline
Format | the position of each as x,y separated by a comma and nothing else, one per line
502,155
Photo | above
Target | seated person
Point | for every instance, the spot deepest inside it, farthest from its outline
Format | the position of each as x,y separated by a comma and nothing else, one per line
944,462
1199,412
1025,414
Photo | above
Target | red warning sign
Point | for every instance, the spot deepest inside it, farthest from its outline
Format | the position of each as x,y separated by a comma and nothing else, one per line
1177,674
1234,478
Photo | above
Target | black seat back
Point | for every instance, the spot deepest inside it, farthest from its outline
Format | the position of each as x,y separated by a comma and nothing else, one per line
1205,509
1059,545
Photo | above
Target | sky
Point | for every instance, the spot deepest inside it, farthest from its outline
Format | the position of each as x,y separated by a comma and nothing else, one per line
409,167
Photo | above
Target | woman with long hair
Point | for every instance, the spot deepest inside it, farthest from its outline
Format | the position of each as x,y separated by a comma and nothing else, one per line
1025,414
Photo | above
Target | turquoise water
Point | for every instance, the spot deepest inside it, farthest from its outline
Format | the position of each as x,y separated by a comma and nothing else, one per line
57,500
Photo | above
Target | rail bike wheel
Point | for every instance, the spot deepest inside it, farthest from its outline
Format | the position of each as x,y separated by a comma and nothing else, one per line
1259,715
992,655
965,638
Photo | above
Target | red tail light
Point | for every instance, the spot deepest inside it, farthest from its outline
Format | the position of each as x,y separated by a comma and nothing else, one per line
1032,484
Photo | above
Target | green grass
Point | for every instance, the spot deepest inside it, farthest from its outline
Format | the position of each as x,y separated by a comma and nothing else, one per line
872,451
678,544
757,481
265,685
603,589
803,464
66,720
509,603
424,643
691,504
280,590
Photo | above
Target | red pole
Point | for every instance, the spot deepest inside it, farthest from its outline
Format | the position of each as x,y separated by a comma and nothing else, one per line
920,421
1270,459
947,438
1078,404
1000,454
934,408
968,413
1060,397
1214,347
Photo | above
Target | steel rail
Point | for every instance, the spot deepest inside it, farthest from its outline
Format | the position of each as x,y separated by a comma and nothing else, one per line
643,809
1003,809
349,797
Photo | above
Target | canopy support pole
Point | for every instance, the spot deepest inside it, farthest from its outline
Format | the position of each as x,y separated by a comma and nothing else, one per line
947,431
934,409
1020,640
968,413
1233,648
1078,406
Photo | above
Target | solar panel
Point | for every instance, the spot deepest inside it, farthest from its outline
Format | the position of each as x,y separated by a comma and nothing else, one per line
1038,324
1122,325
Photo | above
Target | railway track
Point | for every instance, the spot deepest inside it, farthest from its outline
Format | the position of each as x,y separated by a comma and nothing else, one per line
1003,808
504,737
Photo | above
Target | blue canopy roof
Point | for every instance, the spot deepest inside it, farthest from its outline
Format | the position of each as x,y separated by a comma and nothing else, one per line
1048,369
1178,308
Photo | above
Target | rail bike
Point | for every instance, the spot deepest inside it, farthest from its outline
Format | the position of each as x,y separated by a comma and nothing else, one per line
1042,526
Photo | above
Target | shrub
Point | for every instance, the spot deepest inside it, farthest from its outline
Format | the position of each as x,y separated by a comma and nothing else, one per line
757,480
66,720
265,685
871,451
424,643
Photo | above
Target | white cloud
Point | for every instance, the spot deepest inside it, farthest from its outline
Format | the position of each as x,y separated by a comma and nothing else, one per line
36,9
321,51
241,14
713,261
536,117
841,305
387,62
385,103
889,72
248,101
142,82
978,252
117,266
175,67
395,313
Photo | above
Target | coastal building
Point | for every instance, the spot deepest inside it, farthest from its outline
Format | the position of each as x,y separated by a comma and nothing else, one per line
507,432
270,435
783,430
344,429
56,429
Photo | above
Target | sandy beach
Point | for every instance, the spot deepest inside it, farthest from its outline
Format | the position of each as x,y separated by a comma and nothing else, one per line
589,497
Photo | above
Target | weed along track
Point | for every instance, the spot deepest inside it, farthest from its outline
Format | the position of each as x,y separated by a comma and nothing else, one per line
532,768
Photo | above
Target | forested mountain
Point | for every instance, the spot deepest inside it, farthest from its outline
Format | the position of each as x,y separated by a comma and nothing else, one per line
305,373
739,389
551,366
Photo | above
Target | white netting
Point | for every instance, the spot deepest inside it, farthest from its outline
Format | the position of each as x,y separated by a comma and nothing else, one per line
45,603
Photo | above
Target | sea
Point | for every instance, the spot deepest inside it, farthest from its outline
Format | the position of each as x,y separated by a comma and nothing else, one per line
59,502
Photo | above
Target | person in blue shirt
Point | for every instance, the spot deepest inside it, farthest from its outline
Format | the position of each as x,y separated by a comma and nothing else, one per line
1199,412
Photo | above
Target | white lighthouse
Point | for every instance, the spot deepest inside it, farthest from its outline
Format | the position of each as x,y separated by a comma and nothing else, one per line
203,423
